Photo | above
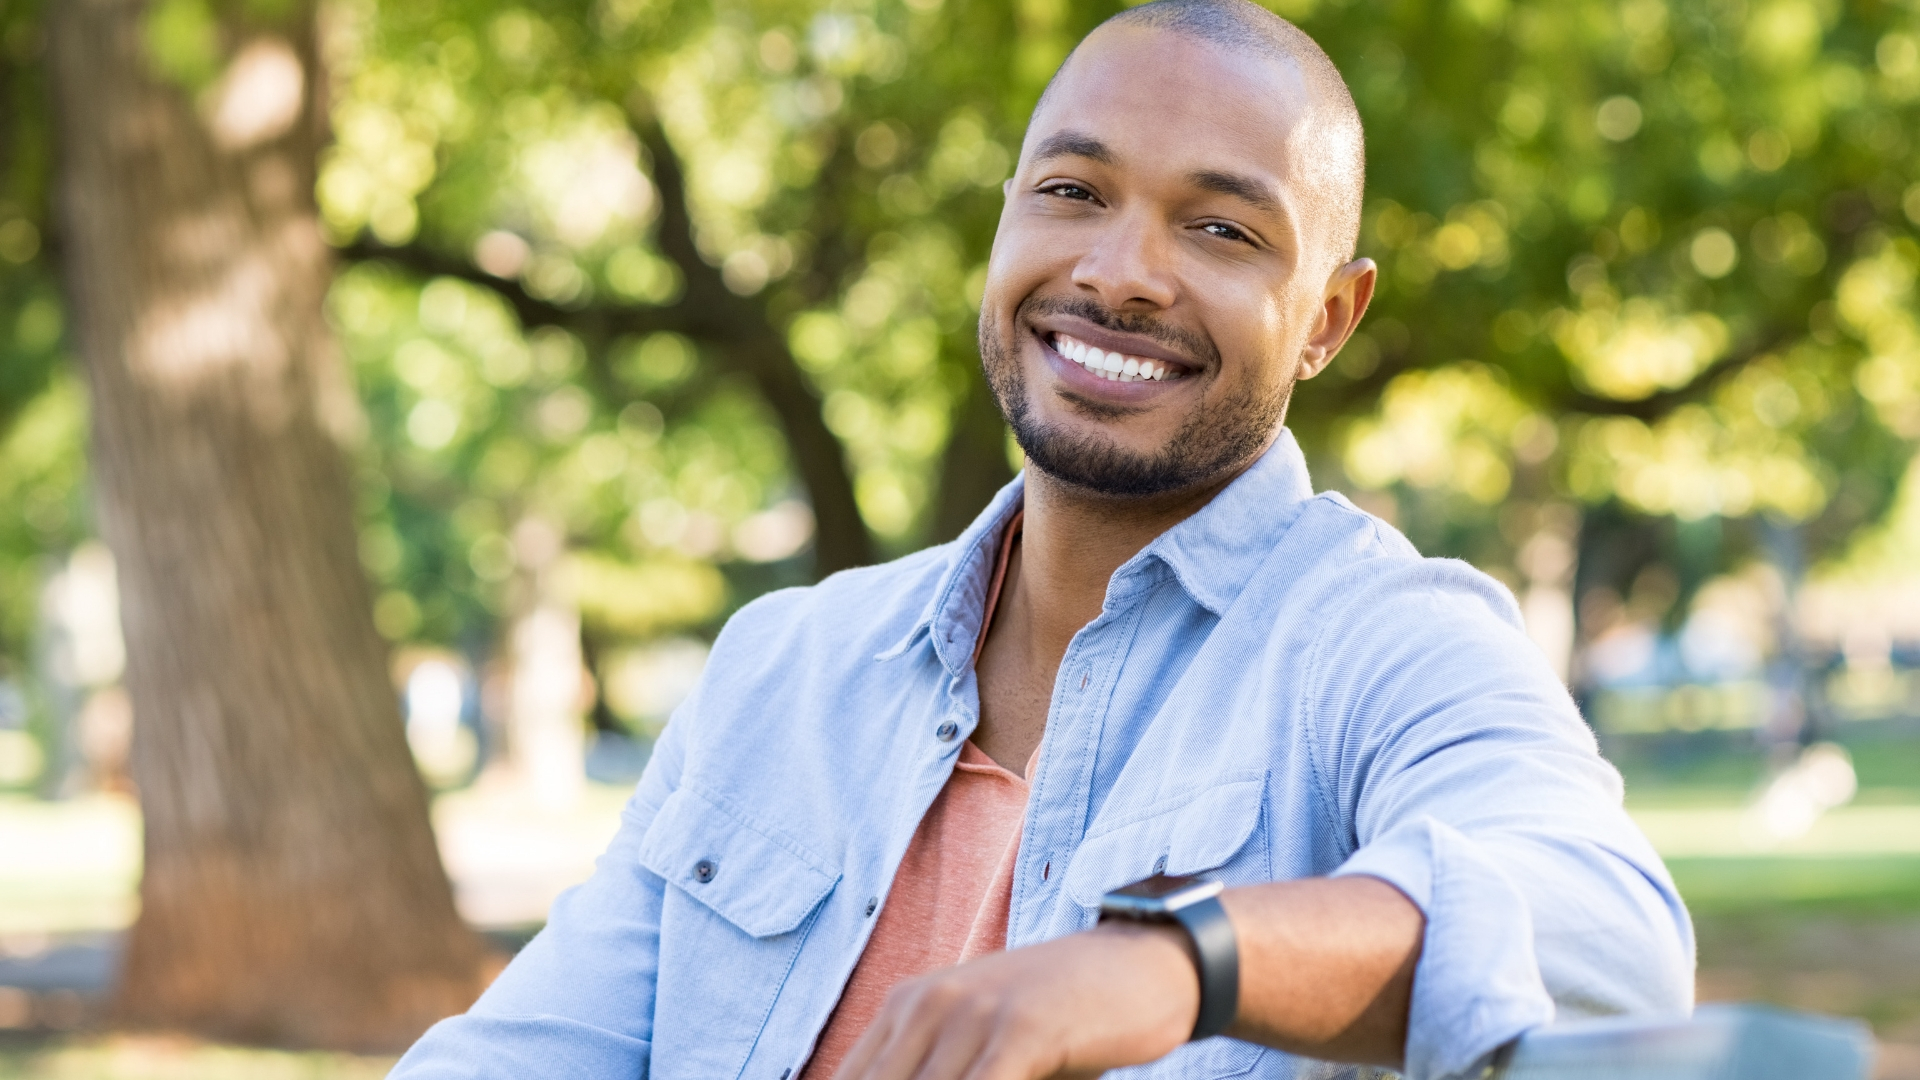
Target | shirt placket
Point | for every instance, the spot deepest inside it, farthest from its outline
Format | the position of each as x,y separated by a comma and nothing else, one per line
1063,776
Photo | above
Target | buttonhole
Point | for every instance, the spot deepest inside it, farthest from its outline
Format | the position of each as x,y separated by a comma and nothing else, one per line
784,1073
1083,680
873,902
1047,870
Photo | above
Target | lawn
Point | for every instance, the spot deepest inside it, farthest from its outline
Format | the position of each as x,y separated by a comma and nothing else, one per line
1828,921
148,1058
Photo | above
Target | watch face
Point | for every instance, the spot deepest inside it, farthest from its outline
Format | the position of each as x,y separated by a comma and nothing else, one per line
1158,897
1158,887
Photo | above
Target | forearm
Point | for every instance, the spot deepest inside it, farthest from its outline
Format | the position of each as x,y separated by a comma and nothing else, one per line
1326,967
1326,970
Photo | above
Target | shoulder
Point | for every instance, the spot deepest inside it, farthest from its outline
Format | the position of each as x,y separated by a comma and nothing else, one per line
1366,572
858,612
817,643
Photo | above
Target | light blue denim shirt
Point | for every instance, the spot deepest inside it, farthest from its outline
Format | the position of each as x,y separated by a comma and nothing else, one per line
1277,687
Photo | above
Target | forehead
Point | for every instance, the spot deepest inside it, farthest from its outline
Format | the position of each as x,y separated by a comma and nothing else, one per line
1161,98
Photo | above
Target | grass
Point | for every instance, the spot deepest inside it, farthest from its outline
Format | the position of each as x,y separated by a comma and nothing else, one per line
127,1057
1828,922
1871,885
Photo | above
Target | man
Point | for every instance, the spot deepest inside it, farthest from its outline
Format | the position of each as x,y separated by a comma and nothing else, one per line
876,842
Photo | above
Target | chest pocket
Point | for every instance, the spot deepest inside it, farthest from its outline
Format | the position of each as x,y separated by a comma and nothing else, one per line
740,899
1201,834
1215,832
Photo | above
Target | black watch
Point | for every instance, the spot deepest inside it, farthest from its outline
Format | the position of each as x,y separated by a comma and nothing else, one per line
1194,904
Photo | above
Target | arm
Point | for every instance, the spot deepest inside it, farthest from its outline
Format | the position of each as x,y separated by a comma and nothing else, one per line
1497,881
1326,971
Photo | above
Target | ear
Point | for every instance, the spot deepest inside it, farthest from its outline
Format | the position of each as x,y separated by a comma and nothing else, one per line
1349,291
1006,188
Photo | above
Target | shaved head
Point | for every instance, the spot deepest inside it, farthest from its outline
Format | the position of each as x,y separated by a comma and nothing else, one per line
1339,171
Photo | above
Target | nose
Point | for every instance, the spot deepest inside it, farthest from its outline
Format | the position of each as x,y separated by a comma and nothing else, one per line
1130,266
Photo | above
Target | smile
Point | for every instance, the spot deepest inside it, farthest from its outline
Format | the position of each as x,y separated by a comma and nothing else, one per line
1113,366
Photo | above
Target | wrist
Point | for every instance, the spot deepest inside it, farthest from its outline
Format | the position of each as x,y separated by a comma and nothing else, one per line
1163,954
1192,906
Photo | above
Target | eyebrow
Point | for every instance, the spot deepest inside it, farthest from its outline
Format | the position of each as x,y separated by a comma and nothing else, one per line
1240,187
1073,144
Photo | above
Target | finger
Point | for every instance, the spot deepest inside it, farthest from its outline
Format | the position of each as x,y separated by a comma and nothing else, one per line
963,1035
901,1043
1000,1059
865,1048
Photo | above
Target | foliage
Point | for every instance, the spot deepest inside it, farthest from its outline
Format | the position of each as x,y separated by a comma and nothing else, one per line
612,264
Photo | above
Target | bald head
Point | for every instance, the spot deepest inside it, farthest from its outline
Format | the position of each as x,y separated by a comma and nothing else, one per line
1337,170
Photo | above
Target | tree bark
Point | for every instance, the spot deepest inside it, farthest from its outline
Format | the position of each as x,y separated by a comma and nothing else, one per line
292,891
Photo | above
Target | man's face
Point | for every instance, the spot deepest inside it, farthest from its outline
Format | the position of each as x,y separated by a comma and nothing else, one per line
1157,216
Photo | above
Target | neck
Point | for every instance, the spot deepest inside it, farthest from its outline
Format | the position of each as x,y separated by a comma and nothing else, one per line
1073,540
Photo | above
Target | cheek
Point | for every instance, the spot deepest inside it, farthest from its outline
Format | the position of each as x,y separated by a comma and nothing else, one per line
1257,340
1026,255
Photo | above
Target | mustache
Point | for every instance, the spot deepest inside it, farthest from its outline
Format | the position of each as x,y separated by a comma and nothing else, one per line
1186,342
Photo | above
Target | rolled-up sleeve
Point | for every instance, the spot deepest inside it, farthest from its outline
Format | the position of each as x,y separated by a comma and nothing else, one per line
578,1000
1467,780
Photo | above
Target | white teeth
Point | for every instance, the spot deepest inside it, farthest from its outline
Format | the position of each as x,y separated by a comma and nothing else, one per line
1113,366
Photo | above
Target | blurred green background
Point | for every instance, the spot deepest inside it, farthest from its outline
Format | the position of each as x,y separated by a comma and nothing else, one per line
652,306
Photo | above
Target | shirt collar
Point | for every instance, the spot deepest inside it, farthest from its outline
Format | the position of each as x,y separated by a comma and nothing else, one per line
1215,552
1212,553
959,598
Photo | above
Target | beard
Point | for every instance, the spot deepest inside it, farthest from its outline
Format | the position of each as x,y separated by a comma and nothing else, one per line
1210,444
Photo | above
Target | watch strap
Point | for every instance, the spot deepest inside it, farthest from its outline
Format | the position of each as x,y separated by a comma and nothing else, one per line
1217,956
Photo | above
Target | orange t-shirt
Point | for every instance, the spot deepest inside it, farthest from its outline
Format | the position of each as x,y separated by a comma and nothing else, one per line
954,886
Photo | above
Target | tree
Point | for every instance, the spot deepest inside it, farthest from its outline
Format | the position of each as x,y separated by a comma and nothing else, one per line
292,892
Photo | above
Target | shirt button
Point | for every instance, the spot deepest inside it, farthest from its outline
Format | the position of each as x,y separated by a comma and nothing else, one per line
946,731
873,902
784,1073
704,870
1160,865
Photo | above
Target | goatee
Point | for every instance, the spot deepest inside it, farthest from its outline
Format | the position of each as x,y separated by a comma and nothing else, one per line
1211,443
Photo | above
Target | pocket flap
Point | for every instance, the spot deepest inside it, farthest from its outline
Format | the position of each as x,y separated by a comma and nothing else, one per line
1193,837
760,881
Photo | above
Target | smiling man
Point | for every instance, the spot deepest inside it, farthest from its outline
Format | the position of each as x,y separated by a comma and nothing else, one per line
1166,762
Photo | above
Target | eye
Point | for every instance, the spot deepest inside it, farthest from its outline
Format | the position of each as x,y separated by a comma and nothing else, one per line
1225,232
1068,191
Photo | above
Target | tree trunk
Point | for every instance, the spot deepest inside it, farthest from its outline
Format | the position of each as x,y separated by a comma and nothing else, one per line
292,891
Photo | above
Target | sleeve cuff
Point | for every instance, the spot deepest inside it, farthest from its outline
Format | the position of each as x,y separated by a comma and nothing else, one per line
1478,984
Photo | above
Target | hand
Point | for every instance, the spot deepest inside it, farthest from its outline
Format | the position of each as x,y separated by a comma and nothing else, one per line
1121,994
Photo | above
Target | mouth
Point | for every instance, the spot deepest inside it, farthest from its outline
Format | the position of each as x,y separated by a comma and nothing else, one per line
1110,365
